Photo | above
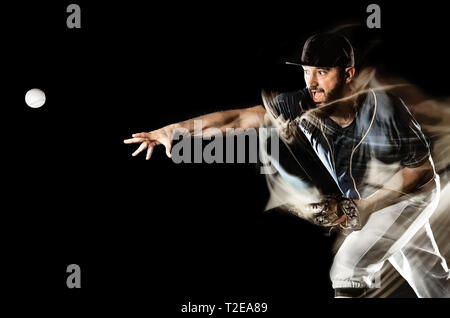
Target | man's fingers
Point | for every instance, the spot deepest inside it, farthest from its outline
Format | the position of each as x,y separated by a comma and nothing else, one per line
167,143
141,147
150,141
133,140
149,151
141,135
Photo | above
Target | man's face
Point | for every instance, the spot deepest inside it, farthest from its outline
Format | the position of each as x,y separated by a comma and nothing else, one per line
324,84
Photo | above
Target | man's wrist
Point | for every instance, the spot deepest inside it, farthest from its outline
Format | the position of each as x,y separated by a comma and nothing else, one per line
364,205
172,128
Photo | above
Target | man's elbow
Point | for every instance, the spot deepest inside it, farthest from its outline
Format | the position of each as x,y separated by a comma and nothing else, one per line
427,170
418,176
251,117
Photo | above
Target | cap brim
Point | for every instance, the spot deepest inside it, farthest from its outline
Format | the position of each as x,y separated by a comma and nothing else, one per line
291,63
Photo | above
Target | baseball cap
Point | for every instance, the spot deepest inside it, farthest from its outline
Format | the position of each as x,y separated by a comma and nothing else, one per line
327,50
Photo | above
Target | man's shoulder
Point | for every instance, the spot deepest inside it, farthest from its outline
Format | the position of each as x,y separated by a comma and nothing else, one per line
388,106
296,102
292,96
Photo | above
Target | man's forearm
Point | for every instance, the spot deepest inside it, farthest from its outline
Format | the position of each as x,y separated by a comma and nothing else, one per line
403,182
217,119
235,118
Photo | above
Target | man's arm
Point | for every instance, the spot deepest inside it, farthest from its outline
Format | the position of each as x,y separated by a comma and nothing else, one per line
245,118
405,181
413,147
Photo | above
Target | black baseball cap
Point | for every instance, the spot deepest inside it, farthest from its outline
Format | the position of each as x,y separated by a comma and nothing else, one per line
327,50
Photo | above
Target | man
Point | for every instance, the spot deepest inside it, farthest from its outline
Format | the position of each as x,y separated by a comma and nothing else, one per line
377,157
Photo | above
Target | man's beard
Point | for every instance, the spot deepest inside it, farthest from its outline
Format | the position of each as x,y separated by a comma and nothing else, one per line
333,95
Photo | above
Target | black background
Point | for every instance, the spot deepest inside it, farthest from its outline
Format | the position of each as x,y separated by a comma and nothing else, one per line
156,232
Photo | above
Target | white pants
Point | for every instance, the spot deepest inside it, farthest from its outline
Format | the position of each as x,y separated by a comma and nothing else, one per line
402,235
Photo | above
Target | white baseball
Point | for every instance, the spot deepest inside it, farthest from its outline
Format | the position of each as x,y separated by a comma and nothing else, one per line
35,98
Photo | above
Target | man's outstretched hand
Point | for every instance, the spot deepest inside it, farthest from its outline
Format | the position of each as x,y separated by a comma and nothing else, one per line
149,140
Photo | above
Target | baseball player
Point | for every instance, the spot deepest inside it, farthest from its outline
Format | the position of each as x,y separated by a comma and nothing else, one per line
365,153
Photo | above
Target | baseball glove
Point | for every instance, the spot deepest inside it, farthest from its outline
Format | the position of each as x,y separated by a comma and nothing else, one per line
336,212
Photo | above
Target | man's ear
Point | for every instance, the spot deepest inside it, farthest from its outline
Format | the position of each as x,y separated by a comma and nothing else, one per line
349,72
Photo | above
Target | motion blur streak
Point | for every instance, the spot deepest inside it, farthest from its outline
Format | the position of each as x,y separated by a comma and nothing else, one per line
295,192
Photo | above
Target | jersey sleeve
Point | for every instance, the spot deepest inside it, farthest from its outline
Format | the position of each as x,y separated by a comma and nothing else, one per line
414,148
290,105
